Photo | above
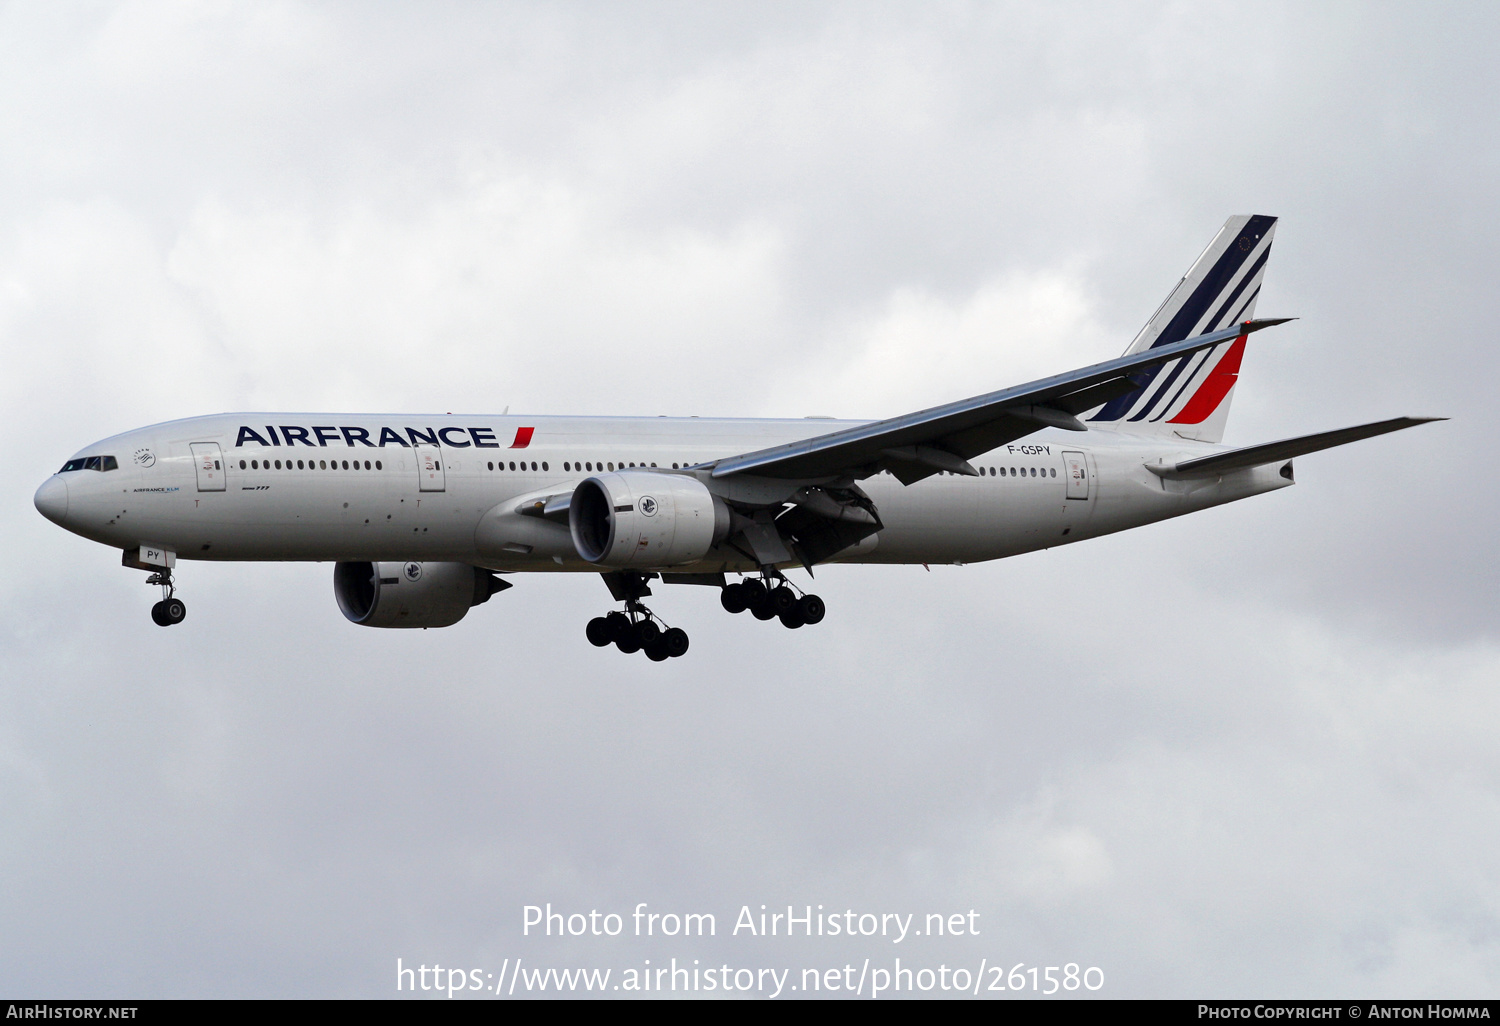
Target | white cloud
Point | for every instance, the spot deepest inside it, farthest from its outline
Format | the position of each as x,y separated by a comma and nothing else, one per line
918,349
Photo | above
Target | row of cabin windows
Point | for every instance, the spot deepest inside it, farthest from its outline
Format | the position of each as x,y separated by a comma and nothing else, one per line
346,465
313,465
587,465
1022,472
108,463
1044,472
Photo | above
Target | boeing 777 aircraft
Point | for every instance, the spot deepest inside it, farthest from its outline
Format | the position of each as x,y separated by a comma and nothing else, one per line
420,514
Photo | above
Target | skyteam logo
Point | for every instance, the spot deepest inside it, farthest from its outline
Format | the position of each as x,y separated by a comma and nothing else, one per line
413,572
647,506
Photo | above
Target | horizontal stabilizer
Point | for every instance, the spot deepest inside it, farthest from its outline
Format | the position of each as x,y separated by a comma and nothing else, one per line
1271,452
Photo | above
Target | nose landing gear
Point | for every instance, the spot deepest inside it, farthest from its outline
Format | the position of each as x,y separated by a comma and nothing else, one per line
170,610
772,597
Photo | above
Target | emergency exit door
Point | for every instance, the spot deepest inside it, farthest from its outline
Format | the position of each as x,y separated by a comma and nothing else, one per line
210,463
1076,467
430,474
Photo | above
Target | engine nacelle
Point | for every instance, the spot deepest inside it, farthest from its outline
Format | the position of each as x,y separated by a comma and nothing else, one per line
640,519
411,594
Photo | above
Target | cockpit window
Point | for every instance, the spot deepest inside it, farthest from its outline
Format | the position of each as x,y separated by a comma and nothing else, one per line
91,463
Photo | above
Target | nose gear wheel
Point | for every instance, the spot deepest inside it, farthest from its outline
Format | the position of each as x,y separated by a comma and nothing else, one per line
170,610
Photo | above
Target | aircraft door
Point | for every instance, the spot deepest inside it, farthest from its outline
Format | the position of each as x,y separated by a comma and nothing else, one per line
430,473
209,460
1076,466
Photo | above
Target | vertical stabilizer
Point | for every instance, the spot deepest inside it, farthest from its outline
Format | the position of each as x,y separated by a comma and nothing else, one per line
1190,397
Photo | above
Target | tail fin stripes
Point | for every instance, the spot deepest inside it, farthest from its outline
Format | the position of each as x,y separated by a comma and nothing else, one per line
1215,388
1192,394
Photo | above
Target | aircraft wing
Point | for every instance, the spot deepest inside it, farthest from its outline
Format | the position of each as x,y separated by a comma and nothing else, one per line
1272,452
917,445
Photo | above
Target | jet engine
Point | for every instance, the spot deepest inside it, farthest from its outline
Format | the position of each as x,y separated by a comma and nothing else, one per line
411,594
643,519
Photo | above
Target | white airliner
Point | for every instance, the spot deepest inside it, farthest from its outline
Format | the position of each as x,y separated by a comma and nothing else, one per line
420,513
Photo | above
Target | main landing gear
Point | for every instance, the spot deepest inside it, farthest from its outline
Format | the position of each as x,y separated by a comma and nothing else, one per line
772,597
637,629
170,610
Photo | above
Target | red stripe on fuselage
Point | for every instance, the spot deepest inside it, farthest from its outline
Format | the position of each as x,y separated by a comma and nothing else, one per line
523,438
1213,390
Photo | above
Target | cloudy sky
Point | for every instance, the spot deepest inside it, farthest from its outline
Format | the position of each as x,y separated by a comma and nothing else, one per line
1247,753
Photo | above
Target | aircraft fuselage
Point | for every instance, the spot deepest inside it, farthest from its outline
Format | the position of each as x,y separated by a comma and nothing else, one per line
336,487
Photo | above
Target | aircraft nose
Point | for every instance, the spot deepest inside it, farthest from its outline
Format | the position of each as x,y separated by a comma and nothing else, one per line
52,499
